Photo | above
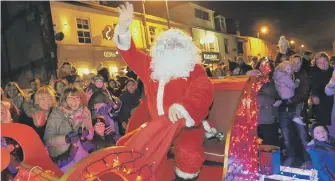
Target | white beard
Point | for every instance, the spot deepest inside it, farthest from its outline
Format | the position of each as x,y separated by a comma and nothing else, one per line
174,56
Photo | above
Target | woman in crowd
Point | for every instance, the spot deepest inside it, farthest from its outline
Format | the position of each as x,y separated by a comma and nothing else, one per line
45,101
321,75
14,112
67,127
130,99
330,91
266,99
59,87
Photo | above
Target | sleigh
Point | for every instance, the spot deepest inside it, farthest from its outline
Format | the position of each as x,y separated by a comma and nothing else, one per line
233,113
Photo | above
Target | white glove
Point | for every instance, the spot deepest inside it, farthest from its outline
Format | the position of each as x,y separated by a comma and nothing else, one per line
174,114
125,17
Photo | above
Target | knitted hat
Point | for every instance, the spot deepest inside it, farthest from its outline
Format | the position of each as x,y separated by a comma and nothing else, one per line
314,125
99,119
283,42
98,77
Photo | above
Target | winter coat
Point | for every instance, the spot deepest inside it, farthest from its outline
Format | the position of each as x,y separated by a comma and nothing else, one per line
102,96
301,93
103,141
244,68
266,97
320,79
129,102
330,91
285,85
306,65
323,158
58,126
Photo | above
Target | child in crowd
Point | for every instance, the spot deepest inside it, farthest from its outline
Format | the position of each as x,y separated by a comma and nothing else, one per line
285,86
102,103
322,152
101,139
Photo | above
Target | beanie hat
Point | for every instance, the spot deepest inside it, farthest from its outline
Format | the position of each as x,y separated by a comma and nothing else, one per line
98,77
232,66
314,125
99,119
283,42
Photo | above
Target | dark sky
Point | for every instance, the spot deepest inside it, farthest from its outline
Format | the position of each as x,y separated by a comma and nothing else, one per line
308,23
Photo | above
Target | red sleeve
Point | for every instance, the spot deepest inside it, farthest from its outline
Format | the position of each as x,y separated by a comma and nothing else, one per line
198,97
138,61
140,116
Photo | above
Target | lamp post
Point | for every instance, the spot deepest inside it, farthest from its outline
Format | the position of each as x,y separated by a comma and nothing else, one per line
167,12
145,25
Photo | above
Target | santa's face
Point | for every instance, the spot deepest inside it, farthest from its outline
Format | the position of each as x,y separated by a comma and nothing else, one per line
174,55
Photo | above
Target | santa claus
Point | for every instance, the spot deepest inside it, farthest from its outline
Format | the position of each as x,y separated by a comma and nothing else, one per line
176,87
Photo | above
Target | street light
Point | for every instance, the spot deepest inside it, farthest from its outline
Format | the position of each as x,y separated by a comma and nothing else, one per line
292,41
263,29
302,46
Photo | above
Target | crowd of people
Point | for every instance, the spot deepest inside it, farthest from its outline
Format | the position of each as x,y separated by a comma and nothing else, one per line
73,116
76,115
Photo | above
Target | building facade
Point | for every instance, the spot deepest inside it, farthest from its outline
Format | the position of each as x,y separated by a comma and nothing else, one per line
88,29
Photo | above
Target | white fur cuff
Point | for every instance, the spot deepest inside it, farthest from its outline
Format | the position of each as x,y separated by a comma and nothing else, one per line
188,119
185,175
122,41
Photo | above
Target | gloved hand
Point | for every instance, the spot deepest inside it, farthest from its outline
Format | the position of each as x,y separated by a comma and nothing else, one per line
83,132
72,137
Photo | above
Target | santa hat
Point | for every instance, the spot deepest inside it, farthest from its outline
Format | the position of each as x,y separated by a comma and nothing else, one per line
283,42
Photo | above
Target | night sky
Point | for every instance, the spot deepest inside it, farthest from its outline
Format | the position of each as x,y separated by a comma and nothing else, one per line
308,23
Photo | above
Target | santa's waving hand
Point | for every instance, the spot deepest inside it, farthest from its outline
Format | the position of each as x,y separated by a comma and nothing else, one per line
176,86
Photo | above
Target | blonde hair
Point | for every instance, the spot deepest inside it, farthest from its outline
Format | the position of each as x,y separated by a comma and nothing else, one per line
283,65
46,90
17,88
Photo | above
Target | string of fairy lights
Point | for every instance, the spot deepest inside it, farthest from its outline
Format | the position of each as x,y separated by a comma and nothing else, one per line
120,166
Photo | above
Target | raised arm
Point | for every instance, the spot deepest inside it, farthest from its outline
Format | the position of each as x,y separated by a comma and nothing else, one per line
138,61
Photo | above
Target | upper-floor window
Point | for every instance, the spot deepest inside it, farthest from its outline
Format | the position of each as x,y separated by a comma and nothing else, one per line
201,14
226,45
152,33
83,30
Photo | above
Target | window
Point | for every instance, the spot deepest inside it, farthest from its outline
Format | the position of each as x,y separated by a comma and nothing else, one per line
239,47
152,33
201,14
226,45
83,31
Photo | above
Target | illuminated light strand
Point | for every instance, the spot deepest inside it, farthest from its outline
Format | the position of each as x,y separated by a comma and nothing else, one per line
120,166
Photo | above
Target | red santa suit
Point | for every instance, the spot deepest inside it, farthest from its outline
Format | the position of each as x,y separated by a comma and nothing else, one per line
192,95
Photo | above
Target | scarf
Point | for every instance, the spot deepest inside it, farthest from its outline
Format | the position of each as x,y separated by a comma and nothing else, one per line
76,117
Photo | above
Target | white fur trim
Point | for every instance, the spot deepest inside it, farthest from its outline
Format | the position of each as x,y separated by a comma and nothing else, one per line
188,119
210,132
143,125
160,96
206,125
185,175
122,41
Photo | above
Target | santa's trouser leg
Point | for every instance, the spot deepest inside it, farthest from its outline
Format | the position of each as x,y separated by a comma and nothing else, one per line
189,154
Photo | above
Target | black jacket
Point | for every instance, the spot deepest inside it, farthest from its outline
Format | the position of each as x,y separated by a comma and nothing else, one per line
320,79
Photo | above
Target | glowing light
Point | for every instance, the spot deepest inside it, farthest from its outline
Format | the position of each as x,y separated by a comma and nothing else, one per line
113,70
138,178
292,41
83,71
210,38
264,29
302,46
